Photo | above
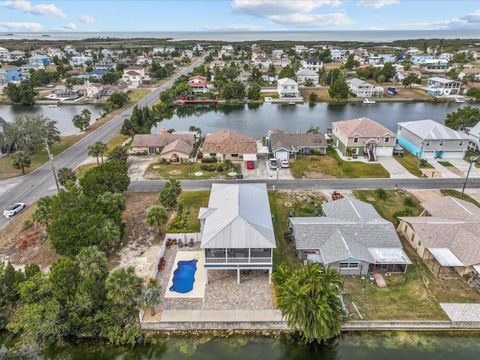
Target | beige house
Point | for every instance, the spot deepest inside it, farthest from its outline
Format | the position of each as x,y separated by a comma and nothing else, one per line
230,145
363,137
446,236
172,147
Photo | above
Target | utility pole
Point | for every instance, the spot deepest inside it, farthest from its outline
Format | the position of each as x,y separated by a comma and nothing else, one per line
472,160
50,158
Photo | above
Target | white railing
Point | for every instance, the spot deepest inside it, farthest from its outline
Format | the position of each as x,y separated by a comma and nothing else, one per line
237,260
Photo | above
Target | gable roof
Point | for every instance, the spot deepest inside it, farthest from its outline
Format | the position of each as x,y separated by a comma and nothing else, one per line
238,216
229,142
293,142
178,145
352,230
430,129
160,140
454,224
363,127
306,72
286,81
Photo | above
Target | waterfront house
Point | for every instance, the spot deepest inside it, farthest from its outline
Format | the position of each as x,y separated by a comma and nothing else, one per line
362,137
312,63
336,55
283,145
229,145
428,139
381,59
437,86
434,65
287,88
307,76
39,61
446,236
352,238
237,230
198,84
168,145
362,88
164,50
10,74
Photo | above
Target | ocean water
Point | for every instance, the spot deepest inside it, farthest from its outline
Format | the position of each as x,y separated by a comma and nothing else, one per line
358,35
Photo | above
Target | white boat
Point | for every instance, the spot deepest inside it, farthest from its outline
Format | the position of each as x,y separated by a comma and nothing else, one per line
366,101
458,100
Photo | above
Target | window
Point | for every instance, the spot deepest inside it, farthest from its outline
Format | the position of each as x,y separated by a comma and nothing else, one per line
349,265
355,151
427,143
460,143
234,155
441,143
355,139
387,139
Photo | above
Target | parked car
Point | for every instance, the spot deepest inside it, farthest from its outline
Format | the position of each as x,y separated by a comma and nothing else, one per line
13,210
284,164
273,164
250,165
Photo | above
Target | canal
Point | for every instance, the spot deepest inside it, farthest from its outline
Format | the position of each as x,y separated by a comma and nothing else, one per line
350,346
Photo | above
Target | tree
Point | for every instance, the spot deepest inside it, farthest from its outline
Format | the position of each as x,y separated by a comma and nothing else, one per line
168,198
351,62
20,160
254,92
339,90
287,72
98,149
312,98
151,296
157,216
43,212
66,174
82,120
124,288
388,71
92,263
463,118
23,94
411,79
174,185
64,277
111,176
474,92
119,153
310,301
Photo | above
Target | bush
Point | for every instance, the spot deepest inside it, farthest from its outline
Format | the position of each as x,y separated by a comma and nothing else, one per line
219,168
204,167
381,194
27,224
200,155
209,160
406,212
408,201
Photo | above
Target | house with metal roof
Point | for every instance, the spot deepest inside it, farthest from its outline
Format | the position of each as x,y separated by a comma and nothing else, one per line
428,139
237,230
446,236
284,145
352,238
438,86
361,88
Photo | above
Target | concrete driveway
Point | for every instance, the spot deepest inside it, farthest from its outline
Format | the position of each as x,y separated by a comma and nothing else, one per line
463,166
396,170
262,172
446,173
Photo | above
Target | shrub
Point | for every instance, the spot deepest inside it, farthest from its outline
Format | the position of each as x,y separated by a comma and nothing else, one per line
204,167
212,168
381,194
219,168
209,160
408,201
406,212
27,224
200,155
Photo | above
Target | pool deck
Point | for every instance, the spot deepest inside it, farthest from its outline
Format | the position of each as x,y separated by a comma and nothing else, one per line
198,290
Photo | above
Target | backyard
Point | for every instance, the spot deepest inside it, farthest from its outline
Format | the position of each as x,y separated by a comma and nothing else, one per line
411,163
191,201
331,166
161,170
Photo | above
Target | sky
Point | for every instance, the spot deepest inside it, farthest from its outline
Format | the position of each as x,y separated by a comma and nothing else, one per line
237,15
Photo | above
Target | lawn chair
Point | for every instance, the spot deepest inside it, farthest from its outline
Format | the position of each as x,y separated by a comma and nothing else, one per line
190,244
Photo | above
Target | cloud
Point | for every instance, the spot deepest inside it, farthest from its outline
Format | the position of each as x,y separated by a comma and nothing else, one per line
376,4
294,12
22,26
38,9
466,22
71,26
233,27
87,19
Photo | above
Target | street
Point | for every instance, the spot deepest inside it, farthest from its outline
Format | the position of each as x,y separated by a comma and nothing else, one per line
40,182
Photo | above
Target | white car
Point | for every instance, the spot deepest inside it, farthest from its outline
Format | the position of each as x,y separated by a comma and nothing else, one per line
284,164
13,210
273,164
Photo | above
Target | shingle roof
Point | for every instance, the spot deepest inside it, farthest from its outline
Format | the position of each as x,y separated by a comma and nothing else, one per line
229,142
238,216
160,140
178,145
348,231
292,142
430,129
364,127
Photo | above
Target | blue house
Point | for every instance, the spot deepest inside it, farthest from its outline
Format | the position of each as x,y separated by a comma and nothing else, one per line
420,59
10,74
39,61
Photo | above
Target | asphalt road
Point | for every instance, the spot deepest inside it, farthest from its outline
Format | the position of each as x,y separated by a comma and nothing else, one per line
40,182
331,184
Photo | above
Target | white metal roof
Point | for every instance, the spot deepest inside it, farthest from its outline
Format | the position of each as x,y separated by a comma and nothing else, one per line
238,217
445,257
286,81
389,256
477,268
430,129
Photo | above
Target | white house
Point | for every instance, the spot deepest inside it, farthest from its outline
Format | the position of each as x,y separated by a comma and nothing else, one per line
198,84
133,76
226,50
402,74
277,53
307,75
471,72
363,89
80,60
312,64
437,86
474,135
4,54
300,49
187,53
287,88
164,50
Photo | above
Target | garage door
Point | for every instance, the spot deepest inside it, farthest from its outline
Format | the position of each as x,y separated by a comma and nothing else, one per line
281,155
384,151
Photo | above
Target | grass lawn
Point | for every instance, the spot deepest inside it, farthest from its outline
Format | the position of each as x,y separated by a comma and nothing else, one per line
117,140
137,94
331,166
193,201
273,95
445,163
410,162
323,95
82,169
458,195
185,171
390,203
301,206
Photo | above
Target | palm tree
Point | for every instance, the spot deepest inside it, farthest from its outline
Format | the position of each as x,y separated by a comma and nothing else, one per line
168,197
151,296
310,301
124,288
98,149
43,212
86,114
157,216
66,174
174,185
92,263
21,160
69,87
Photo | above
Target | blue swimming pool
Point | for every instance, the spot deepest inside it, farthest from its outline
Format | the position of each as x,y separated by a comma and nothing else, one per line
184,276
